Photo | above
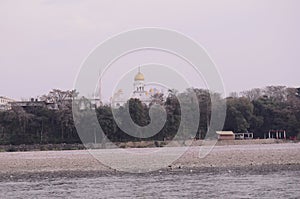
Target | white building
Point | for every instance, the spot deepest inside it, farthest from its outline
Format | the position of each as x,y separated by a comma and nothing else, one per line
141,90
5,103
139,87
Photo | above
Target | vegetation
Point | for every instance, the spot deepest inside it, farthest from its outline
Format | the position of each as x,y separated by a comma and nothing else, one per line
256,110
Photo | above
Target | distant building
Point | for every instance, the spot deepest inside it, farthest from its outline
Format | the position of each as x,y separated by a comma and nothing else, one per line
141,90
85,103
118,99
33,103
276,134
5,103
225,135
243,136
229,135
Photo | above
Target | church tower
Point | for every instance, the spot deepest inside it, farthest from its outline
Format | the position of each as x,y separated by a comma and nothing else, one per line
138,84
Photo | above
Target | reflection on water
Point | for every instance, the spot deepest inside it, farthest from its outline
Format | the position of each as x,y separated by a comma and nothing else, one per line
284,184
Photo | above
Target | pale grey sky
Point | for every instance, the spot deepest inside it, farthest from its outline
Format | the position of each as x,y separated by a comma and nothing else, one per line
254,43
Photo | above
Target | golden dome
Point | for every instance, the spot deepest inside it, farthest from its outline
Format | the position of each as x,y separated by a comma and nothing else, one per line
139,77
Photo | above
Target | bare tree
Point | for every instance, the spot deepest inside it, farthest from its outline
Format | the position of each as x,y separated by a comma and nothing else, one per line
252,94
234,94
278,93
61,98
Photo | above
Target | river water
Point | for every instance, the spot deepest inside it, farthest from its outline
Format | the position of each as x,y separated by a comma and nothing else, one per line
188,184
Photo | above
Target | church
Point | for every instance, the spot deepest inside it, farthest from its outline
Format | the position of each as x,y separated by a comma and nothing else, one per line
141,90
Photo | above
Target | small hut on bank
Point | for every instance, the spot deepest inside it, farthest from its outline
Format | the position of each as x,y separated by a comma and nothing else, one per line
225,135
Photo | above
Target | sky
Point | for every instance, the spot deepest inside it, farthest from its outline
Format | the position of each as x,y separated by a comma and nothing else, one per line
254,43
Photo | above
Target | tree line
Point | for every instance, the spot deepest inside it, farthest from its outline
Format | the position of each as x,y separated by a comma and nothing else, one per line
256,110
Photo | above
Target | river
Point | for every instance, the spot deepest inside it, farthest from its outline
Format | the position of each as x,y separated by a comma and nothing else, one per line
188,184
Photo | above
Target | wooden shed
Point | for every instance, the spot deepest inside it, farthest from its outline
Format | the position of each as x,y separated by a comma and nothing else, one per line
225,135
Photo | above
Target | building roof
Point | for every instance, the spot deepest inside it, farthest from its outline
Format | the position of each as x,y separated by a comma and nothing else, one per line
6,98
224,132
139,77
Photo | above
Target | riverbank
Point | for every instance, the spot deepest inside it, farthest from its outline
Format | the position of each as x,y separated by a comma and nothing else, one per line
76,163
141,144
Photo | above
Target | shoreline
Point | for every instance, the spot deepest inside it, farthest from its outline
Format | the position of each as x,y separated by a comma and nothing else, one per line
241,158
138,144
237,170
